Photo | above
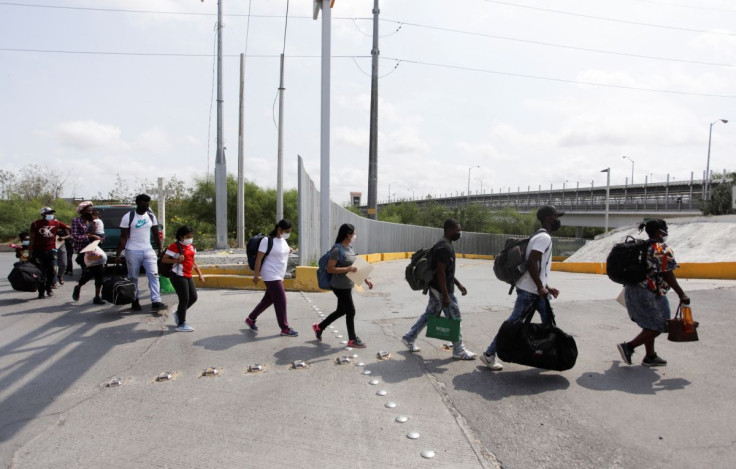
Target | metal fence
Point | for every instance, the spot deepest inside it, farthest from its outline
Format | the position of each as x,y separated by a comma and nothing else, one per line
378,236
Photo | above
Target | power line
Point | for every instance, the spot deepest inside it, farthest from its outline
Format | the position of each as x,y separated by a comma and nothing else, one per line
165,54
559,80
562,46
603,18
352,57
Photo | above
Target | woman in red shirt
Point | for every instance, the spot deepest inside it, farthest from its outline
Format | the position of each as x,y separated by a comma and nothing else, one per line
181,255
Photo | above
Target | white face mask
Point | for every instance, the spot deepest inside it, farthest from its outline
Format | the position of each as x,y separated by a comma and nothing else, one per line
285,235
355,236
49,217
26,242
187,241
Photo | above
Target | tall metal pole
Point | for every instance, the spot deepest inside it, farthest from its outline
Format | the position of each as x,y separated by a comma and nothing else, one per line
220,165
241,175
373,136
608,192
280,168
324,182
162,205
468,196
706,182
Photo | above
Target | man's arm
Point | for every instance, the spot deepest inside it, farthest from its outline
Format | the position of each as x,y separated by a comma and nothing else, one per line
532,266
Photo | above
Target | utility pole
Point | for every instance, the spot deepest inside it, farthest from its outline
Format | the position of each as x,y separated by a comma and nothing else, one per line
241,181
220,165
373,137
162,205
324,179
280,166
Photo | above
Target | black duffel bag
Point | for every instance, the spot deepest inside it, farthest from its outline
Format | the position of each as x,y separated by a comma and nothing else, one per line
118,290
539,345
25,276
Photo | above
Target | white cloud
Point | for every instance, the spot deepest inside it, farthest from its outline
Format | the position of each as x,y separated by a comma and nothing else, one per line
89,135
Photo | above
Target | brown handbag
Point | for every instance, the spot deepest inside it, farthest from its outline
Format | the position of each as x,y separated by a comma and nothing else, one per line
679,330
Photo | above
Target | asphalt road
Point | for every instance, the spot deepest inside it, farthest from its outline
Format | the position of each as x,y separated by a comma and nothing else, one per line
57,356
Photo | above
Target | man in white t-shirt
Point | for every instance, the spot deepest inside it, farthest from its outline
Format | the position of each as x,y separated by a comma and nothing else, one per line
135,238
532,287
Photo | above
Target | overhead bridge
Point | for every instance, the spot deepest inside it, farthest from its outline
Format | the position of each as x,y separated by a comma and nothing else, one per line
586,207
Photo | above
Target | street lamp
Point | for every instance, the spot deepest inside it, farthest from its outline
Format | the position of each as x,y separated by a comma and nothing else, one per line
608,191
389,189
706,185
476,166
632,168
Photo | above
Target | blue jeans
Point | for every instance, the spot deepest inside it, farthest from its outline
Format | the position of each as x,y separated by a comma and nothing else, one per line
149,261
524,300
433,308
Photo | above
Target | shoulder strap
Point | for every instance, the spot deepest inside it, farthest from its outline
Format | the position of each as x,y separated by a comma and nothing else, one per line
131,215
270,245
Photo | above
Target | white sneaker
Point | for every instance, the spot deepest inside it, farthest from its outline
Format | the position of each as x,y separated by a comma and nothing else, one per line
464,355
184,328
410,345
491,362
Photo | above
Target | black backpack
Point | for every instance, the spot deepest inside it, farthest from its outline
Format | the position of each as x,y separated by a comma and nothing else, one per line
419,273
251,249
510,264
627,262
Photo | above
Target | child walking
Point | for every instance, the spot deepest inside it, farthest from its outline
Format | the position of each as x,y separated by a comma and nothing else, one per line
181,255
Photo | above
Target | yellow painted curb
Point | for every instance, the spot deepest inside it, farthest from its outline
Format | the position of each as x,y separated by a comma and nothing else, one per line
712,270
394,256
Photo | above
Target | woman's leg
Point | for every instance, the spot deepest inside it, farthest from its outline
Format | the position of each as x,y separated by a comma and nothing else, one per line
266,301
182,292
99,273
338,313
646,337
192,292
278,296
350,314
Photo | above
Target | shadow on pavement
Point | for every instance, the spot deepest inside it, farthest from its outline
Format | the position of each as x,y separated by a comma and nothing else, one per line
630,379
495,386
287,355
50,359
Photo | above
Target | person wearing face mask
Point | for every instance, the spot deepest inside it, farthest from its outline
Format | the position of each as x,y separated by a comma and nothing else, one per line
532,287
43,247
442,291
21,250
136,227
81,237
271,266
339,264
647,302
181,255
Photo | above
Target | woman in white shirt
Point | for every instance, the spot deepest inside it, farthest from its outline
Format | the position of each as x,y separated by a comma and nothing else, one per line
271,266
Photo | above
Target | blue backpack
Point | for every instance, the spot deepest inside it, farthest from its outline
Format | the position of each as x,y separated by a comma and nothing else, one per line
324,278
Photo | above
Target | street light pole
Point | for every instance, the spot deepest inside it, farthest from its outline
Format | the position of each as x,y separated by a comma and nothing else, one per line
389,189
706,183
608,191
632,169
469,169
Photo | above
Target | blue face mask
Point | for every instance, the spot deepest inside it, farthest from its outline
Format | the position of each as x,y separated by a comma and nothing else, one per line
49,217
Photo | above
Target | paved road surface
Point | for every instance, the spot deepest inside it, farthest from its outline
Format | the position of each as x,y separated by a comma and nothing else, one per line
56,356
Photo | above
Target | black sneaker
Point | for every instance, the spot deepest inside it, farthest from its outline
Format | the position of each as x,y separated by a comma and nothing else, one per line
98,301
654,360
49,293
626,351
157,306
136,305
40,295
75,293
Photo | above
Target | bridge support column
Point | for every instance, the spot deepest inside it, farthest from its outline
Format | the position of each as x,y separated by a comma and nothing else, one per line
578,231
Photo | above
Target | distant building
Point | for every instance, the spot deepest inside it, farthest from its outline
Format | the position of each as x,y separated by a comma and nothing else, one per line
355,198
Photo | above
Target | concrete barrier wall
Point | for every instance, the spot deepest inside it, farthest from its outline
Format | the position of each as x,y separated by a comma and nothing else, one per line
240,277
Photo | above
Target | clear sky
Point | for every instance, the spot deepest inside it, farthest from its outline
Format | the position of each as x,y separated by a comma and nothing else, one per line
534,92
